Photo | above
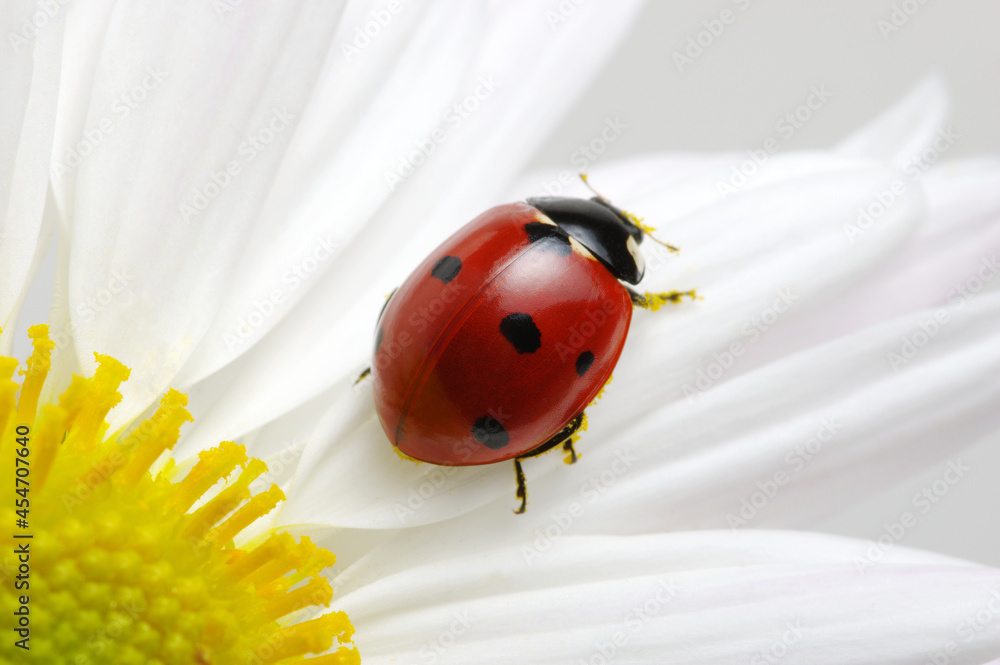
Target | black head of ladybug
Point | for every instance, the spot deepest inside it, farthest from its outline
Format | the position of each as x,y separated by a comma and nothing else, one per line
602,228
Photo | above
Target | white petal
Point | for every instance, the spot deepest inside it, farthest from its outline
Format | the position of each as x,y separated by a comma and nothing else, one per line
325,339
64,362
368,580
678,598
178,95
954,252
900,134
365,109
29,78
84,40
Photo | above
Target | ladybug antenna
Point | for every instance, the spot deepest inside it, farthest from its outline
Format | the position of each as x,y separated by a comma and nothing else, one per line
636,221
583,177
648,230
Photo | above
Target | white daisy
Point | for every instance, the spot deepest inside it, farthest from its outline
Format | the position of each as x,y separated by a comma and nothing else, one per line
236,186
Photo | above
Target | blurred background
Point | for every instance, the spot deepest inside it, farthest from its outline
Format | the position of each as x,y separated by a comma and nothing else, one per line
718,74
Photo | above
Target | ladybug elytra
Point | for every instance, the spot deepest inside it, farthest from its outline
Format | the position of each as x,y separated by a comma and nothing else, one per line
495,344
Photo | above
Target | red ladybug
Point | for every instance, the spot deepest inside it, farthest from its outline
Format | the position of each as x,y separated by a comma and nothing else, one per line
492,348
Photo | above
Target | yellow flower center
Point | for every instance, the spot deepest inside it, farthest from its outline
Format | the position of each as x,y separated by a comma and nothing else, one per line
104,561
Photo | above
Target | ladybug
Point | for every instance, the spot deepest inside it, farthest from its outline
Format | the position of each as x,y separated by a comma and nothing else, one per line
495,344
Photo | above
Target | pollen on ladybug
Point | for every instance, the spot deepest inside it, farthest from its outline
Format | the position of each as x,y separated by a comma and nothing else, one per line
521,331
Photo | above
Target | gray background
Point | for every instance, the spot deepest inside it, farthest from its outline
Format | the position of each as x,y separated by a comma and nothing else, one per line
762,66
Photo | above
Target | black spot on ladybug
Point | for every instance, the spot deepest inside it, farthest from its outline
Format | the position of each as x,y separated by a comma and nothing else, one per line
378,338
583,362
489,432
557,241
446,268
522,332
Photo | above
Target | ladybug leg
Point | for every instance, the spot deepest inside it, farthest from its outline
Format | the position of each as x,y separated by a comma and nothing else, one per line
654,301
522,488
568,447
363,375
565,436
